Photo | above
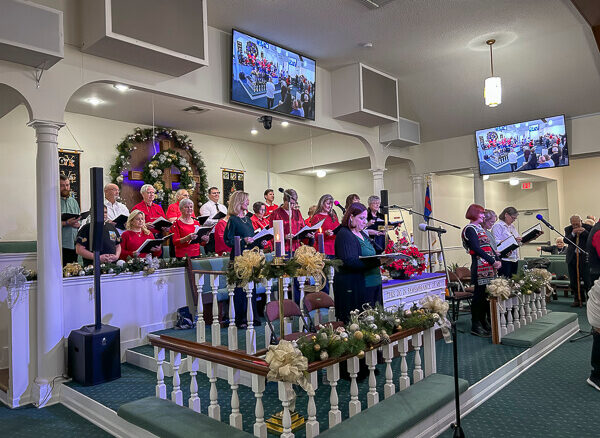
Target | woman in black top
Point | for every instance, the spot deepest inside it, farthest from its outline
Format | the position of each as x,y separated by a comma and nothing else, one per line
240,225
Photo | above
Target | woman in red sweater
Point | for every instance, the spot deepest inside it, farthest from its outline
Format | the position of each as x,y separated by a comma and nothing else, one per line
292,219
135,235
325,212
259,222
184,231
220,246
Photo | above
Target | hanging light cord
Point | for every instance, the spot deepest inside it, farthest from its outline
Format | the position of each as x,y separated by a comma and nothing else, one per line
492,59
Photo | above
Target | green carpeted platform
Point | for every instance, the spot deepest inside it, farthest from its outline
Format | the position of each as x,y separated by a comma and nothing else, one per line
539,329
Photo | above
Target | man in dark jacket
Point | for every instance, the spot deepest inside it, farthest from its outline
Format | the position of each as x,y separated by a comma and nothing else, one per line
578,233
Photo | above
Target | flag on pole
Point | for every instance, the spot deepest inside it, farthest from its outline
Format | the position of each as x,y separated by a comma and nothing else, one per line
428,209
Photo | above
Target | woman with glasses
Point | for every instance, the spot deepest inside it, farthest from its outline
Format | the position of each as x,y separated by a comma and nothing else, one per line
502,230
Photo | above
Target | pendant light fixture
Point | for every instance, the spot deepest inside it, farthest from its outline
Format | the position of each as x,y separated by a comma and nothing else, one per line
492,91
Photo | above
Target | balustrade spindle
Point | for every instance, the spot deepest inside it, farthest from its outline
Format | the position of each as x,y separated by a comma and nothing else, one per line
527,299
268,292
161,388
543,302
232,331
429,351
250,332
258,387
510,326
333,375
416,343
372,395
176,394
214,410
200,323
516,312
354,405
216,327
287,283
331,312
502,308
301,281
389,388
541,298
522,313
312,425
285,389
233,378
404,380
194,401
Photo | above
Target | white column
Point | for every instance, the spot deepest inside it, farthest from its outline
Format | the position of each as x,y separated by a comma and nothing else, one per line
378,183
50,331
478,188
418,206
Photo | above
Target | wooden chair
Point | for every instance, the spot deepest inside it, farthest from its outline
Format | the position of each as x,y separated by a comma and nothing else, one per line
316,301
290,309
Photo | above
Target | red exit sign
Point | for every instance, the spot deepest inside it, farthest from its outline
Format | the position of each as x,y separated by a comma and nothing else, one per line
526,186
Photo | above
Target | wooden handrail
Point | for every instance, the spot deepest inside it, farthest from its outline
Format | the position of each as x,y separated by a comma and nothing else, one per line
218,354
208,271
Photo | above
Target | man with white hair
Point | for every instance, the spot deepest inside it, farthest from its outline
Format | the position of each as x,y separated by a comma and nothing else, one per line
151,210
577,262
593,315
114,208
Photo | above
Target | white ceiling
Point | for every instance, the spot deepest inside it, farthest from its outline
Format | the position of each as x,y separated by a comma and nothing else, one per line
135,106
545,54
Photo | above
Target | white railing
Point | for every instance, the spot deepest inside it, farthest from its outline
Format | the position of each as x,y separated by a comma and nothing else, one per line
516,312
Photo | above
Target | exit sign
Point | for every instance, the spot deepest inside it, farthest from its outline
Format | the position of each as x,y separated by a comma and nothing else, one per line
526,186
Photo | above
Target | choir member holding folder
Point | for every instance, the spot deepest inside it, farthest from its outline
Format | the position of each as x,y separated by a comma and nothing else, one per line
326,213
503,229
151,211
292,219
135,235
239,234
185,232
259,222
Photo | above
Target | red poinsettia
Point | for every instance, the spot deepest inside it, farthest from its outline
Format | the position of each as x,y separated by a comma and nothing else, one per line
415,265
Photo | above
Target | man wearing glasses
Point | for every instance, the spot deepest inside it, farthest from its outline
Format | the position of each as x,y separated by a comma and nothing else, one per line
210,209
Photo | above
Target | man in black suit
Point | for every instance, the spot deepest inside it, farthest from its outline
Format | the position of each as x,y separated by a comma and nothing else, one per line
578,232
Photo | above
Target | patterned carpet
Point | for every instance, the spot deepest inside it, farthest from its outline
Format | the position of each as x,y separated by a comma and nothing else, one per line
551,399
54,421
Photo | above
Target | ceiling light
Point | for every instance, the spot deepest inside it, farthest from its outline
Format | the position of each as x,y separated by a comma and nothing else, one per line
121,87
94,101
253,132
367,45
321,173
492,90
513,181
284,123
486,177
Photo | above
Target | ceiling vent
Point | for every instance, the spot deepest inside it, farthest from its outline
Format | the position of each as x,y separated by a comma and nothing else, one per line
195,109
375,4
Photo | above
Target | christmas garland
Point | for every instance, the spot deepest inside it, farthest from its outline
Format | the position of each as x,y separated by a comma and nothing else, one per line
151,174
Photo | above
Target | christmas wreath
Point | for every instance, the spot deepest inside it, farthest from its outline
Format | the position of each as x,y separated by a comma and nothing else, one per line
140,135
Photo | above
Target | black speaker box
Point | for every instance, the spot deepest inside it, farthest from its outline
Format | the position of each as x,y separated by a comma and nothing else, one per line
384,201
94,355
97,208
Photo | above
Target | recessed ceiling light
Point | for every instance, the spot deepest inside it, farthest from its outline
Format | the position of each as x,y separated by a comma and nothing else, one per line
486,177
367,45
254,132
94,101
284,123
321,173
513,181
121,87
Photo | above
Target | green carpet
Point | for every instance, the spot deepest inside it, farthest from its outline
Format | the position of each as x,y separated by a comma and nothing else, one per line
54,421
551,399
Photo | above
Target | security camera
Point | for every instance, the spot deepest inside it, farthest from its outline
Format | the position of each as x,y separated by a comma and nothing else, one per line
267,121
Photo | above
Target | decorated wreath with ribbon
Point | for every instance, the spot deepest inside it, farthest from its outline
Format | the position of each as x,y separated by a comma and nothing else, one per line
154,170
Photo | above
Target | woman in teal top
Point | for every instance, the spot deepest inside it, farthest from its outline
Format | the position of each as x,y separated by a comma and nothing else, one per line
373,275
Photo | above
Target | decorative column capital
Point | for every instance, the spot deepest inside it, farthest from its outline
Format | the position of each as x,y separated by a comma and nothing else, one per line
378,173
417,178
38,124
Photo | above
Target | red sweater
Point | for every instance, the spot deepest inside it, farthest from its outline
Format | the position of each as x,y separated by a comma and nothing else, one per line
261,224
220,246
131,241
297,223
270,209
180,230
329,224
173,211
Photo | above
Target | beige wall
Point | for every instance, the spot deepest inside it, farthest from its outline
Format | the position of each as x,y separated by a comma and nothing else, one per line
581,188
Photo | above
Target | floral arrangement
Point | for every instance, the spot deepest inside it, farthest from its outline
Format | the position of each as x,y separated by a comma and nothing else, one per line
311,263
500,288
153,171
436,306
140,135
289,268
288,364
531,281
13,278
146,265
543,278
415,265
246,267
367,329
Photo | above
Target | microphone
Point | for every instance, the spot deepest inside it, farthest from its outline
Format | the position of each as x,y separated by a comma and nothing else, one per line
337,204
540,218
281,189
425,227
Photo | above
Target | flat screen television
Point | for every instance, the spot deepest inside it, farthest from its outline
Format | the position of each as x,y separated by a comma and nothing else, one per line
531,145
272,78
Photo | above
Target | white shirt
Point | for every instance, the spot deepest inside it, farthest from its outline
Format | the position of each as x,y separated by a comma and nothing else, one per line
210,209
270,90
115,210
512,157
501,232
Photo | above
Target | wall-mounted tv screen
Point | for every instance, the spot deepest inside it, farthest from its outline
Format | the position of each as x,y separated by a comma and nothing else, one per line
272,78
535,144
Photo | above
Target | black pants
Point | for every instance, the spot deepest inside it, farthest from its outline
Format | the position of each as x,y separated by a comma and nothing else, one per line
508,269
68,256
479,304
513,166
240,303
596,355
574,281
270,102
